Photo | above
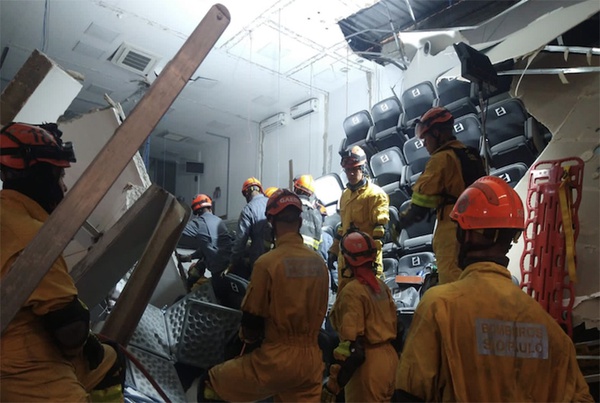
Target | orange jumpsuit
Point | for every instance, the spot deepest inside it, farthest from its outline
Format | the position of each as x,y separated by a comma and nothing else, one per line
32,367
365,208
482,339
358,311
442,176
289,289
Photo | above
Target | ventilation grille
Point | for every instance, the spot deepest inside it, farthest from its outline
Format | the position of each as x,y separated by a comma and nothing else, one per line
136,60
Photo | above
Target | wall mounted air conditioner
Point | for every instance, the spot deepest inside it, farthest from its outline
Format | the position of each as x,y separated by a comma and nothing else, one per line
304,108
273,122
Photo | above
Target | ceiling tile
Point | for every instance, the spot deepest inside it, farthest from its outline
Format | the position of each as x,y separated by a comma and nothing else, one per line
102,33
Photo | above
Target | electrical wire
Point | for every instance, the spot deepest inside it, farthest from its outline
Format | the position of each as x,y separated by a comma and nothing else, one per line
45,28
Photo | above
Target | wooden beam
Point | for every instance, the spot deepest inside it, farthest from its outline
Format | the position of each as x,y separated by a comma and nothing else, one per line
127,312
37,258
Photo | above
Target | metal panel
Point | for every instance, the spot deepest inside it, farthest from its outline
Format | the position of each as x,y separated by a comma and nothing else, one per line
151,333
161,370
175,314
206,329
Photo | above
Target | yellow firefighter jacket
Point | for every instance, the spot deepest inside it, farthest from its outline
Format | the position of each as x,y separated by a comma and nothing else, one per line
482,339
289,289
32,366
437,188
359,311
365,208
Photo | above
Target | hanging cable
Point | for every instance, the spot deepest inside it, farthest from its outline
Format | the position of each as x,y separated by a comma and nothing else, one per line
45,28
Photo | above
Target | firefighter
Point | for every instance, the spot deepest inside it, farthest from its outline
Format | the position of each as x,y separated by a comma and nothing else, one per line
209,236
481,338
312,221
364,316
363,206
252,226
283,309
48,350
451,168
270,190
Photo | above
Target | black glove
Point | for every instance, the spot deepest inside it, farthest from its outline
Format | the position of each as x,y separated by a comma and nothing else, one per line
93,351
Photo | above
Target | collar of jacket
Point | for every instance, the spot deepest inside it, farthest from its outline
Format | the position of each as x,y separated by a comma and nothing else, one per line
362,183
289,238
486,267
448,145
31,206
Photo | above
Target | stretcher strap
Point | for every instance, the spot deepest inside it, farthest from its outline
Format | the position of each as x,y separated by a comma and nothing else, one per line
566,203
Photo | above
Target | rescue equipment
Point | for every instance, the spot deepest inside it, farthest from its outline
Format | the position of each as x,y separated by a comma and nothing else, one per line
548,262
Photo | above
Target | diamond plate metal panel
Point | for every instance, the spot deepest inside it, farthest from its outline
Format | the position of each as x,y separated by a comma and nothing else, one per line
175,314
206,329
161,370
151,333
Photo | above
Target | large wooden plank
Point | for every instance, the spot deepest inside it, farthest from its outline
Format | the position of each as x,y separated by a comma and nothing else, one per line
126,314
55,234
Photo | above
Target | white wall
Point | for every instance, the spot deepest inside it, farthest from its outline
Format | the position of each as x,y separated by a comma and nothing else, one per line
310,142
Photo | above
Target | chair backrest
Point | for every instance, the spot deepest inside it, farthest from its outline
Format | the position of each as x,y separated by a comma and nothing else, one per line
232,290
451,90
388,166
467,129
387,130
414,263
506,124
512,173
357,126
417,100
505,120
416,156
386,113
418,236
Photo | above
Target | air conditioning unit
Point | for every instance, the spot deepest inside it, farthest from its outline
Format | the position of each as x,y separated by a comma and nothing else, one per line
304,108
273,122
134,59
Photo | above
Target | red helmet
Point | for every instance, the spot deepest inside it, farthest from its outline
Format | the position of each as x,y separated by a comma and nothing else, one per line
23,145
434,116
281,199
201,201
305,183
354,157
250,182
358,248
489,202
270,190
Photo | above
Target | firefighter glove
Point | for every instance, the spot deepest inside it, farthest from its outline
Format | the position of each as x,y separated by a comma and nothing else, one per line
93,351
378,232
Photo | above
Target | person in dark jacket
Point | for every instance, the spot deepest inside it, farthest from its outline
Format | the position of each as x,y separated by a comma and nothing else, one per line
208,235
252,226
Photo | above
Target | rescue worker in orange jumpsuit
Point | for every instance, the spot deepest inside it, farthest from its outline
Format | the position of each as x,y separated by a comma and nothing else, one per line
284,308
451,168
312,221
363,206
48,351
481,338
252,226
364,316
